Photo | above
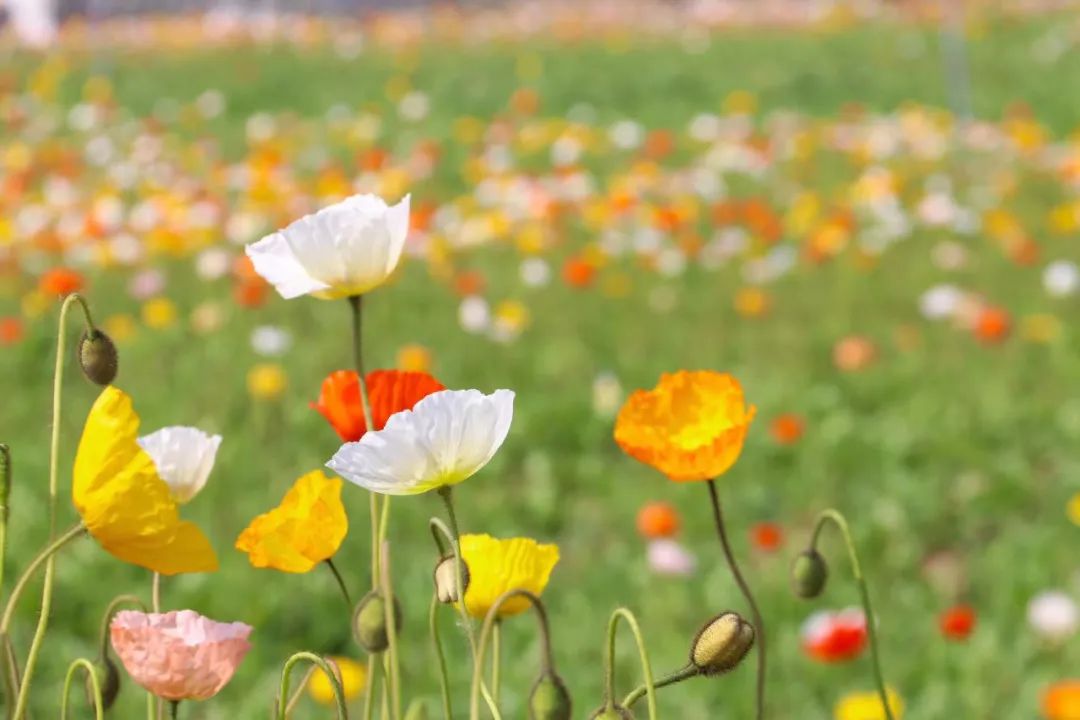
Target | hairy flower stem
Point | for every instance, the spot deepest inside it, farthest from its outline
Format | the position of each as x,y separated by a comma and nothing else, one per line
370,691
759,624
676,677
340,581
837,519
54,482
379,517
496,659
440,655
42,558
322,664
643,654
95,688
5,493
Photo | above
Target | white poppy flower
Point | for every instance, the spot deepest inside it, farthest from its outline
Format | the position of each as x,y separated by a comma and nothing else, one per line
1053,615
345,249
183,456
445,439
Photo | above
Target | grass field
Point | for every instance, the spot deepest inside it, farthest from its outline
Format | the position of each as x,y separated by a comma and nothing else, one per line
944,444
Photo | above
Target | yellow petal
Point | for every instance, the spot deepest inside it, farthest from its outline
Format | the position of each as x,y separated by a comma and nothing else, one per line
498,566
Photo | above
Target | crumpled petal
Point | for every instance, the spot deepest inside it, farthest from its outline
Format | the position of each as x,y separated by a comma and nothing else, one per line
499,566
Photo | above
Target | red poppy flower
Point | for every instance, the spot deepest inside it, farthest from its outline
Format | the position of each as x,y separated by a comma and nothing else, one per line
61,281
786,429
767,536
578,272
390,391
657,520
835,636
993,325
957,622
11,330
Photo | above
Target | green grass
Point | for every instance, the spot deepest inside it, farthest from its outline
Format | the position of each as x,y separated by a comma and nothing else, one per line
950,446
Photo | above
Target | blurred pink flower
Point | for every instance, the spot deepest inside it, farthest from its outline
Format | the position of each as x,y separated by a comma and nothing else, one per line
179,655
668,557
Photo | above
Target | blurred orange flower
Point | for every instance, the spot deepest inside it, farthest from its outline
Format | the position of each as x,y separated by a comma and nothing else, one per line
578,272
957,622
658,520
389,391
303,531
767,536
787,429
11,330
854,353
61,281
691,426
992,325
1061,701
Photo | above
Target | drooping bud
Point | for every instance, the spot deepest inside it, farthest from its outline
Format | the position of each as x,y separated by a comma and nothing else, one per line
369,622
108,678
417,711
615,712
446,579
98,357
721,644
809,572
549,699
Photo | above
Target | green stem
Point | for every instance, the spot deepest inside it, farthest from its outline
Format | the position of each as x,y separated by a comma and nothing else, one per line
393,676
374,667
335,683
759,624
436,642
11,674
54,483
42,558
676,677
155,593
340,581
106,619
496,659
5,493
95,688
299,690
864,592
174,709
643,654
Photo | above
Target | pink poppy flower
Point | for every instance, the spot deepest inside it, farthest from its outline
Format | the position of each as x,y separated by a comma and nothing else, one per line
179,655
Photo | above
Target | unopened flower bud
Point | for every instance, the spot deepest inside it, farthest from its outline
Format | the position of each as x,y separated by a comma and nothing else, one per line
721,644
446,579
369,622
615,712
549,699
808,574
108,678
98,357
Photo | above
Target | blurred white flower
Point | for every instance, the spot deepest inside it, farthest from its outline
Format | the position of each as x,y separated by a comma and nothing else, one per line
949,255
668,557
1061,278
474,314
607,395
627,134
414,106
535,272
184,457
212,264
1053,615
270,340
940,302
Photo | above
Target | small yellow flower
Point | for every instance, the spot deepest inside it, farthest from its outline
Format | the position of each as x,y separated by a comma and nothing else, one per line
353,678
1040,328
1072,509
498,566
266,381
752,302
868,706
414,358
307,527
159,313
120,328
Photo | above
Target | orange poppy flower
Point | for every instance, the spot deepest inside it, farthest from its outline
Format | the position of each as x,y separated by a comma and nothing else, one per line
767,536
11,330
578,272
390,391
992,325
691,426
787,429
61,281
1061,701
657,520
250,293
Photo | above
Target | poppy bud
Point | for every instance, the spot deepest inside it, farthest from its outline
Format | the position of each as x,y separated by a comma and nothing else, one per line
446,579
417,711
108,678
369,622
615,712
549,699
721,644
808,574
98,357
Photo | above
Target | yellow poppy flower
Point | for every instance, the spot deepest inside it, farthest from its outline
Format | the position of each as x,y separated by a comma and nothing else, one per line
868,706
691,426
122,499
353,677
498,566
303,531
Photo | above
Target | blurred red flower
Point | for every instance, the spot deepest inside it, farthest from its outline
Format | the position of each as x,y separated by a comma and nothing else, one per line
390,391
658,520
61,281
992,325
767,536
11,330
835,636
957,622
787,429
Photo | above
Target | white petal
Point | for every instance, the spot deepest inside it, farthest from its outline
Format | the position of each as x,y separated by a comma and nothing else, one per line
275,261
184,457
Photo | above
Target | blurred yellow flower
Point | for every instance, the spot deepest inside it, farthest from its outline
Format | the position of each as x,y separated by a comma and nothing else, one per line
751,302
868,706
120,327
414,358
498,566
159,313
266,381
1072,509
124,503
353,676
1040,328
35,303
307,527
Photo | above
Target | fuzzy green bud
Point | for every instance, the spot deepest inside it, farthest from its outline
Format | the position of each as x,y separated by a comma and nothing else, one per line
549,699
108,678
446,579
809,572
369,622
98,357
615,712
721,644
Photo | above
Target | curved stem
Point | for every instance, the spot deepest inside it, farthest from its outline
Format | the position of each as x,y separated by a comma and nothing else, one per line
759,624
298,693
676,677
95,688
486,630
340,581
11,673
322,664
106,619
643,653
436,642
54,475
28,574
5,493
871,621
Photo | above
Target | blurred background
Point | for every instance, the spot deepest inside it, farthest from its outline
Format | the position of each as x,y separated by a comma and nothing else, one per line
867,211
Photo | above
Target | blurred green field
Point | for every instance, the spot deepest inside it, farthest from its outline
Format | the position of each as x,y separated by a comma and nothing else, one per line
950,446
